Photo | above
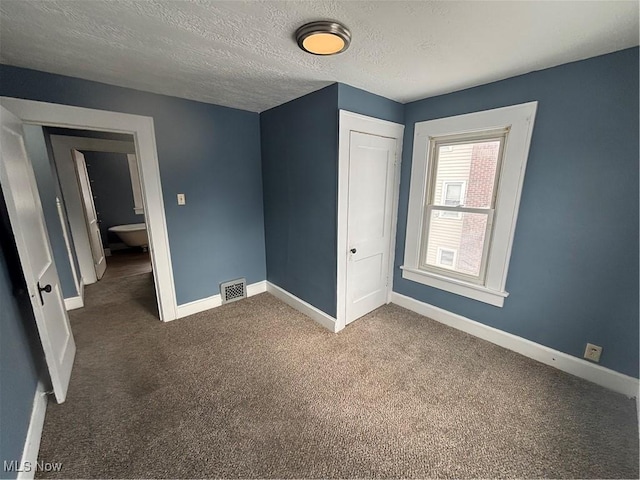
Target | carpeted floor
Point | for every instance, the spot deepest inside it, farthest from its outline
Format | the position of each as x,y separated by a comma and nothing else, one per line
254,389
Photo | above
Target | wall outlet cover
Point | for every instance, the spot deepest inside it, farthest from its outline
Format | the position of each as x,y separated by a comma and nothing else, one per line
592,352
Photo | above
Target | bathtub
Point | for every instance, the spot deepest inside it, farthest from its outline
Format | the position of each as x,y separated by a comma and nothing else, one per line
133,235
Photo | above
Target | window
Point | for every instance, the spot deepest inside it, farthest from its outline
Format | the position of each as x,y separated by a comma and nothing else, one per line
452,194
446,257
476,157
466,179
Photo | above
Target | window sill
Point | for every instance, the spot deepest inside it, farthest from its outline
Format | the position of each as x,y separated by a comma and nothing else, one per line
459,287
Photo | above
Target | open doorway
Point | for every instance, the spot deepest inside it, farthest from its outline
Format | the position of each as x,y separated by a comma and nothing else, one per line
91,194
141,129
100,181
26,215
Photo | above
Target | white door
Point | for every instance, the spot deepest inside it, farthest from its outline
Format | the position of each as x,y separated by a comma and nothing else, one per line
370,211
90,215
27,222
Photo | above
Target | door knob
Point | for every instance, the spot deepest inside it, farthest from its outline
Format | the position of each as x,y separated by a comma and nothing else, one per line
353,250
45,289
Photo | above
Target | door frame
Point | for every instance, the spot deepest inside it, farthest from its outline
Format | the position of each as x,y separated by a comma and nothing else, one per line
348,122
66,168
142,129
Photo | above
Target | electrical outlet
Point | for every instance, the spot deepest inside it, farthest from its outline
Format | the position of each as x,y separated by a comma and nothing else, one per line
592,352
181,199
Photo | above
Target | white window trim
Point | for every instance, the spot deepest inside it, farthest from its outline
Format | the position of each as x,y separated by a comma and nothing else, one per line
520,120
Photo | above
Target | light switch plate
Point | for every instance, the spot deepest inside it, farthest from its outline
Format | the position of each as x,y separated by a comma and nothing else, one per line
181,199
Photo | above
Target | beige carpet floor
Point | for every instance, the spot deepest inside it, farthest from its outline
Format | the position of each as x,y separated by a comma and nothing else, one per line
254,389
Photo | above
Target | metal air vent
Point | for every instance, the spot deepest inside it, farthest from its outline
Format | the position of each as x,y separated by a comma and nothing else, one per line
233,290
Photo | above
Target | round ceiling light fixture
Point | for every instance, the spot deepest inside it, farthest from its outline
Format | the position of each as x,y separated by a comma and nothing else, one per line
323,38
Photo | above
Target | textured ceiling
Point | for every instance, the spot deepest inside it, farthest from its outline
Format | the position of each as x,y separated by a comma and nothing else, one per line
242,54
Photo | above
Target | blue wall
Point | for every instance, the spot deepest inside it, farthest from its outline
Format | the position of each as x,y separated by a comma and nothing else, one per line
573,277
20,358
112,192
47,180
300,181
365,103
208,152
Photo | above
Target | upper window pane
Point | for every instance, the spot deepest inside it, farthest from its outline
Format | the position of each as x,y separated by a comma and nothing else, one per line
466,173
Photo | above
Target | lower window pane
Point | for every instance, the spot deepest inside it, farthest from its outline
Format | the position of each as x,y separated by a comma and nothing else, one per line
456,242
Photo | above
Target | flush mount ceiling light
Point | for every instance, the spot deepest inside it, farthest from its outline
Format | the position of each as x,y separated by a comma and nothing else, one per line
323,38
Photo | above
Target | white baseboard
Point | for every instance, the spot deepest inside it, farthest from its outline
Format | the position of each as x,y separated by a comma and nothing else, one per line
327,321
73,302
34,434
576,366
214,301
256,288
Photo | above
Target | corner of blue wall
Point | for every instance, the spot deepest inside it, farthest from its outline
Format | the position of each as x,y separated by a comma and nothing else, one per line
360,101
